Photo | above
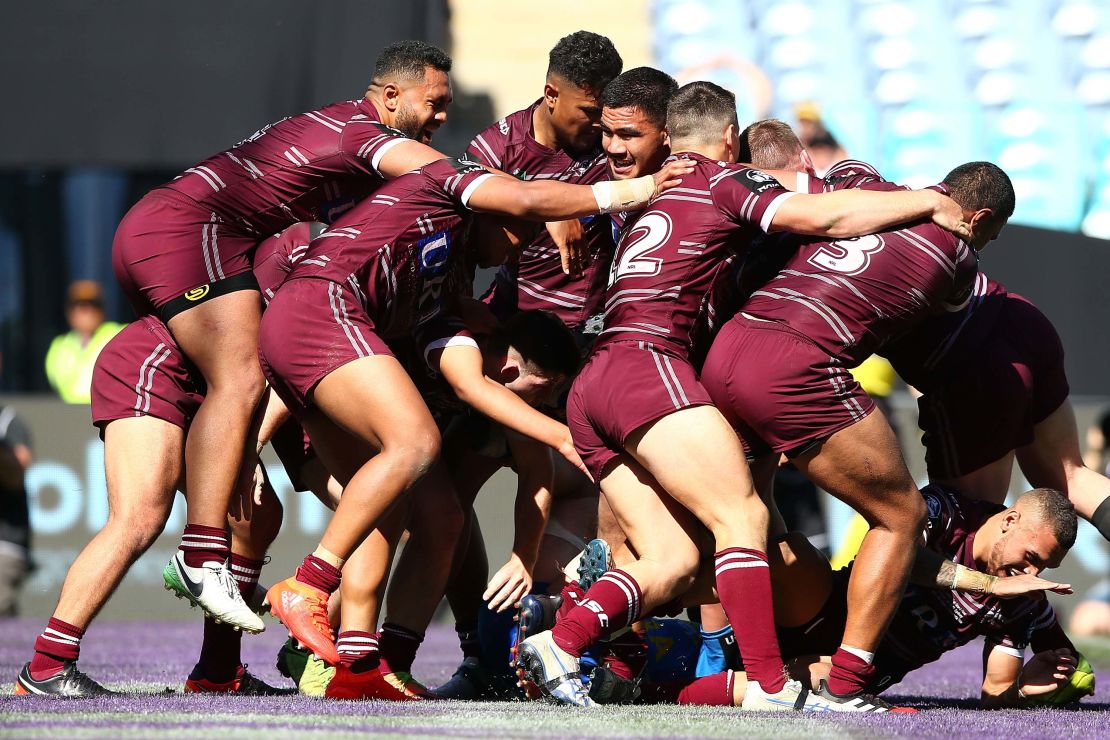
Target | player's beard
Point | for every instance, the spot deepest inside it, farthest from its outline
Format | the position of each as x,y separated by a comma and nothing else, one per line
408,123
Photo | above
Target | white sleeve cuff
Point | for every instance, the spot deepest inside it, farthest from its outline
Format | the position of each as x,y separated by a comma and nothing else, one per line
769,214
380,151
465,197
458,340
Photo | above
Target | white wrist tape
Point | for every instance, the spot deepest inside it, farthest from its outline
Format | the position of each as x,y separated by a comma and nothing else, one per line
623,195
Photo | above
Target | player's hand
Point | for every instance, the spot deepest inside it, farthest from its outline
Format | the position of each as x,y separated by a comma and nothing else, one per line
1046,671
566,449
259,482
508,586
570,238
671,175
1010,586
948,215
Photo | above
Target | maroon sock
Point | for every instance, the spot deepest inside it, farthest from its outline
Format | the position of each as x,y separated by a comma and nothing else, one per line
468,640
397,647
219,652
319,574
714,691
627,654
59,643
358,650
850,673
744,587
611,603
572,596
204,545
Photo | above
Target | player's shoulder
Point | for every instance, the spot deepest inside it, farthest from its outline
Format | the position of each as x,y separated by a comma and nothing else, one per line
850,173
508,130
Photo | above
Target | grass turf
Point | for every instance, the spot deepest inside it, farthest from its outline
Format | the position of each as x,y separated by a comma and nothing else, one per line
151,656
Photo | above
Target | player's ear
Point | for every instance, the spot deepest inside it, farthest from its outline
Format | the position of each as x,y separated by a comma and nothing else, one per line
732,141
1013,516
550,94
807,162
391,96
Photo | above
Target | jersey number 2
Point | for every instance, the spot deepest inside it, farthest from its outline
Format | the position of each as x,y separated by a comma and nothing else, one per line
648,234
849,256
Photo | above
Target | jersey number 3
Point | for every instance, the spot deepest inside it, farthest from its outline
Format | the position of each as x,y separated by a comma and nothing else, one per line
848,256
648,234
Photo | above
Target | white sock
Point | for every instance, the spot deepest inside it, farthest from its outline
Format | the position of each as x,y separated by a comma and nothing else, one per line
863,655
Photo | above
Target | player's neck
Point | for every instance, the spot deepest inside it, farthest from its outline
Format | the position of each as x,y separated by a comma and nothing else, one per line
718,152
543,131
374,97
981,545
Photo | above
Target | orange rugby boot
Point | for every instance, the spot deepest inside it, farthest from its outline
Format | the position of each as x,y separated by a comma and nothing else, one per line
303,610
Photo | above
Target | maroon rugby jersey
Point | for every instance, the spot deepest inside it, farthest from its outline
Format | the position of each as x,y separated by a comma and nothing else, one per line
851,295
930,621
536,278
394,251
309,167
670,254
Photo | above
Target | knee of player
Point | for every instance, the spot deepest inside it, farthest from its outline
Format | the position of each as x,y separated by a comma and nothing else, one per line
137,530
244,384
416,453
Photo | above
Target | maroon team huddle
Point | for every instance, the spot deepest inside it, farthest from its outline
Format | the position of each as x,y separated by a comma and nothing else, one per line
677,307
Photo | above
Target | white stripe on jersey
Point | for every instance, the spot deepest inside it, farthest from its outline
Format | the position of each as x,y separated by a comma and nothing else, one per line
335,126
484,148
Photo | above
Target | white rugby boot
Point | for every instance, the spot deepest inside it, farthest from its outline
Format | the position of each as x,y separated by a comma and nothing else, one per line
213,589
553,670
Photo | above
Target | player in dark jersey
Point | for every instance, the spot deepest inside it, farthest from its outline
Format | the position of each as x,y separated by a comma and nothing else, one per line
1008,610
378,274
563,269
642,421
779,372
184,253
145,394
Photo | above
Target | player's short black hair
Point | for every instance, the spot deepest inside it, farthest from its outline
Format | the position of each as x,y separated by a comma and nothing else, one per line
976,185
1056,512
586,59
699,110
408,59
645,88
770,144
542,339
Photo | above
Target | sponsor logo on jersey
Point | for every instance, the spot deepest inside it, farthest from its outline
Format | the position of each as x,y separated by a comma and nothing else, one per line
197,294
466,166
434,251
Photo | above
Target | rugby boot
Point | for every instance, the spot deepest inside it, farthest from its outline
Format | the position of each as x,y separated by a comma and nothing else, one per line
538,613
857,702
214,590
596,559
311,674
474,682
607,687
244,684
304,612
553,670
373,684
68,683
792,697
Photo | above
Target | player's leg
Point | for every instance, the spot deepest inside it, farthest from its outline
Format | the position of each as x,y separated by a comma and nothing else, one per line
139,502
373,401
697,458
862,465
1053,460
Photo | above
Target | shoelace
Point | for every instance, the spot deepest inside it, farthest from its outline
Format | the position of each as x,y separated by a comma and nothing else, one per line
319,612
229,584
84,681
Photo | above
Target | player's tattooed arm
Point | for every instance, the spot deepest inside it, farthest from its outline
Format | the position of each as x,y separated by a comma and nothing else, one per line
933,570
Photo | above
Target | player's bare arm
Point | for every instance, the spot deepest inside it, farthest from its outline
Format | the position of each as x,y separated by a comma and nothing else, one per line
847,213
933,570
1009,684
547,200
407,156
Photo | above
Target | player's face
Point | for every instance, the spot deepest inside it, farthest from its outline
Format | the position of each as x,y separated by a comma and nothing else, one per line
1027,547
422,106
634,144
575,114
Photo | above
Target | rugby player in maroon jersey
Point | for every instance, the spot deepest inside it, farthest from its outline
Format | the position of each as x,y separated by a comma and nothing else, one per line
378,274
145,394
183,253
992,374
645,426
563,269
779,373
961,535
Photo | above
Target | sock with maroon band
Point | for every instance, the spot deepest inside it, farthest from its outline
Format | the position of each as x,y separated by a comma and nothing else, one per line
469,640
58,643
850,673
219,652
744,587
397,647
358,650
711,691
202,545
319,574
611,603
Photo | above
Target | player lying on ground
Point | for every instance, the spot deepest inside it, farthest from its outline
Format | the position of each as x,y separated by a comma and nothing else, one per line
183,253
985,545
667,440
145,394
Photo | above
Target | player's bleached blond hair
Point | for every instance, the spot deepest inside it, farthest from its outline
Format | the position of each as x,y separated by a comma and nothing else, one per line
771,144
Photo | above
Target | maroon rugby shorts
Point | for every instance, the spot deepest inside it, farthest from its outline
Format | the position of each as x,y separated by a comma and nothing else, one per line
780,391
169,254
1011,383
142,372
311,328
625,385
